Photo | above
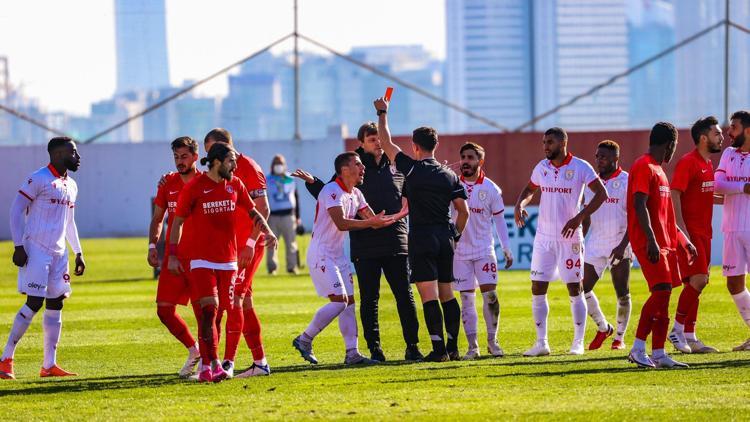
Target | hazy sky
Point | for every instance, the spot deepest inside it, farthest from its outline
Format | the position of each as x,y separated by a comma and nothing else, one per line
63,51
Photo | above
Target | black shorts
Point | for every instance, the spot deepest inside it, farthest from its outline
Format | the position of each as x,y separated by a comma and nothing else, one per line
431,254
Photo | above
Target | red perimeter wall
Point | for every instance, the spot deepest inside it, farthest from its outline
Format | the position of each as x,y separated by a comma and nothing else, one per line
511,156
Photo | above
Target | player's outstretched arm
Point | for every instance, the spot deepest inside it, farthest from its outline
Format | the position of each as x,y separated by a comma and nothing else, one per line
600,195
17,228
644,222
312,183
154,232
71,234
404,211
524,198
370,219
384,132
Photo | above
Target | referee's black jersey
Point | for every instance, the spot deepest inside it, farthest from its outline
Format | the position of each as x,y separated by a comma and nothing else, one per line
430,188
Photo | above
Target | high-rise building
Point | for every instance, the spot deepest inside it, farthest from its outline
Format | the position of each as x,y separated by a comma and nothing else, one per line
515,59
141,41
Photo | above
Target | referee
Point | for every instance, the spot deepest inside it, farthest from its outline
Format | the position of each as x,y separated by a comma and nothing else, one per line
382,251
430,188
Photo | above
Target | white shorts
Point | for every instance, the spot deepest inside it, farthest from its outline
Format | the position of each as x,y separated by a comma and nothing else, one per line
736,253
554,260
44,275
471,273
598,254
331,276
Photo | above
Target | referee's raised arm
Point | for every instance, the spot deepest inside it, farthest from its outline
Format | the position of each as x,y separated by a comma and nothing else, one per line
384,132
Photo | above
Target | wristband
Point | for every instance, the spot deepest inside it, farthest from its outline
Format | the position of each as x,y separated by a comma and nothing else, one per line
251,242
152,245
173,249
382,112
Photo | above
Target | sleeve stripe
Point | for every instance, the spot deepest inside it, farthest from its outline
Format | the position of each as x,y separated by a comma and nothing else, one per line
720,170
533,184
363,207
499,212
26,195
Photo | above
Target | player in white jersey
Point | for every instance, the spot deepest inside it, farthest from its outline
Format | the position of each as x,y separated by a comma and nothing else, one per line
558,243
732,179
339,203
607,246
474,260
41,219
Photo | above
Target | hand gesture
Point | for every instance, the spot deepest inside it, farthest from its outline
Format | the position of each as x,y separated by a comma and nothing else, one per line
380,220
570,227
163,179
301,174
381,104
271,241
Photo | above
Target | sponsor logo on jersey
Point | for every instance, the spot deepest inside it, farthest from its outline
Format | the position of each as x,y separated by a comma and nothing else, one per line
611,200
57,201
476,210
557,190
216,207
35,286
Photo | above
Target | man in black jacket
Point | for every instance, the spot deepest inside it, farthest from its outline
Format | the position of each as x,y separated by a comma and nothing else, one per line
380,251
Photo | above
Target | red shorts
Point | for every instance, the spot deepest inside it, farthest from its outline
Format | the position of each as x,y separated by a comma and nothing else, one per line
173,288
244,283
206,282
664,271
702,262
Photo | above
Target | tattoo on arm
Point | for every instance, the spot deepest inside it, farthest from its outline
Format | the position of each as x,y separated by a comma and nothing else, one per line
259,222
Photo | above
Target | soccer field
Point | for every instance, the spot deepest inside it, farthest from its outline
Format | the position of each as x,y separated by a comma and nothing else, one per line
128,362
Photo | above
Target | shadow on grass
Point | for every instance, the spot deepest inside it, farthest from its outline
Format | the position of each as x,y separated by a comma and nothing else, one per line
77,384
115,280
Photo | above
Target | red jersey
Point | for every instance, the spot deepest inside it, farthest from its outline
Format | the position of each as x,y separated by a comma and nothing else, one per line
166,198
647,176
212,206
694,177
251,175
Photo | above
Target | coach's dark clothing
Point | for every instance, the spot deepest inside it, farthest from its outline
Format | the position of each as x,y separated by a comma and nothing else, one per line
381,251
430,187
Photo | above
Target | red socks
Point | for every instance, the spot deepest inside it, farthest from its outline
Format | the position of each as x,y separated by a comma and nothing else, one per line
235,320
687,305
208,334
655,318
175,324
251,330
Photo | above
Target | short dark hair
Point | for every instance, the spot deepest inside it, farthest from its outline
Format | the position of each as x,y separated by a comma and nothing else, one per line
426,137
218,151
57,142
343,160
743,116
185,142
474,147
662,133
367,129
701,127
219,134
610,145
559,133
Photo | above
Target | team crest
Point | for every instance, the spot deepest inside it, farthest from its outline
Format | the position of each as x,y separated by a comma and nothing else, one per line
576,248
482,195
230,189
569,174
616,184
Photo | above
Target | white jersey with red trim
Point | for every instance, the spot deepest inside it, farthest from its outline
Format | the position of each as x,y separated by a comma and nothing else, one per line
561,189
610,222
52,199
736,165
485,201
327,239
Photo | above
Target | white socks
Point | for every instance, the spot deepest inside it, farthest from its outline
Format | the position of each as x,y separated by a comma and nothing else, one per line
323,317
595,312
491,311
623,316
742,300
540,310
578,309
639,344
20,325
470,318
52,323
348,327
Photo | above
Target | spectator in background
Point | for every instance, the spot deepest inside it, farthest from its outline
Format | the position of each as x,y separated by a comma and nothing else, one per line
284,218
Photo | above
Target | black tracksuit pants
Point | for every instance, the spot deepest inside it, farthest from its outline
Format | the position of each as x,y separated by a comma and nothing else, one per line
396,271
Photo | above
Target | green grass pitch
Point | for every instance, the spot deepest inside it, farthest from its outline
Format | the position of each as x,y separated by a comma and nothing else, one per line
127,360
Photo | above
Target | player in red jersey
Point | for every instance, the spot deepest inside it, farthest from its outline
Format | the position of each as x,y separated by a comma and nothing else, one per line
655,237
212,200
174,290
242,318
693,198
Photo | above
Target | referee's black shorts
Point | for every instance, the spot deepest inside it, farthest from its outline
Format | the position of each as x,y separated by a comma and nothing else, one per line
431,253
